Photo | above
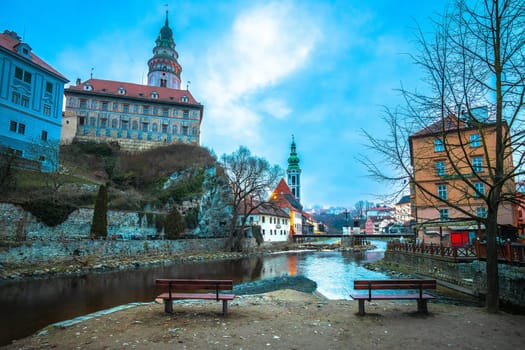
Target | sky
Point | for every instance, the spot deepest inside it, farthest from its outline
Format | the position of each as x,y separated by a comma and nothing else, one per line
264,70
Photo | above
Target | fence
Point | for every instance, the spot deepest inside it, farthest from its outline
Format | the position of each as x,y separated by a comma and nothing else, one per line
511,253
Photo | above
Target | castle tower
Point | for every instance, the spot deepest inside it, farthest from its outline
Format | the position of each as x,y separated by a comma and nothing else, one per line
294,172
164,69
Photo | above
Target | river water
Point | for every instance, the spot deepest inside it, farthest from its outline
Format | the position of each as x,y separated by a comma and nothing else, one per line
29,306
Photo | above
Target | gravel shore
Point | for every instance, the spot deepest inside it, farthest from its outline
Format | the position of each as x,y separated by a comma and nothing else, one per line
286,319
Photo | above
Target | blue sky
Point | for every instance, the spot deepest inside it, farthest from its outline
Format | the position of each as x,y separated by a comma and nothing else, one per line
264,70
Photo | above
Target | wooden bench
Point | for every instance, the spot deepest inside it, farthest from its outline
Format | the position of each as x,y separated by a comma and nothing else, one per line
178,289
404,284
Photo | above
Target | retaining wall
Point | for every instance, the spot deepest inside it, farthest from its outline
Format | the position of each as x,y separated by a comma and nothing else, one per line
469,275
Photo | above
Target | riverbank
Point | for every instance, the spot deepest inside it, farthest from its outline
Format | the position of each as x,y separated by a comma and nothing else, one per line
75,267
286,319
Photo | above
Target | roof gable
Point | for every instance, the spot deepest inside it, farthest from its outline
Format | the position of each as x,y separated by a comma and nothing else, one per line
138,91
10,41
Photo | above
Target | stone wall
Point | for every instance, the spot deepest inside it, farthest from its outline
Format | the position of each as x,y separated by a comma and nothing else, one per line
46,252
469,275
17,224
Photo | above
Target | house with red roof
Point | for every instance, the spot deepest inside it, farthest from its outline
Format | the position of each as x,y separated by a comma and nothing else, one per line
137,117
31,94
283,198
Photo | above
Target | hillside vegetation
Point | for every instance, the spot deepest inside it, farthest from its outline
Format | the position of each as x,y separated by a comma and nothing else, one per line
134,181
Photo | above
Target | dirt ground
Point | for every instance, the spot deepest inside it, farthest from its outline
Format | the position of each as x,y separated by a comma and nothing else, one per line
287,319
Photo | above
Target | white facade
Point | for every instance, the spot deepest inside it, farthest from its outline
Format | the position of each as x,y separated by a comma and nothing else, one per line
274,228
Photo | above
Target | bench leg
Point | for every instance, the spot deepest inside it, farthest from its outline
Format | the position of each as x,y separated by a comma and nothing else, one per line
168,306
361,307
422,306
224,307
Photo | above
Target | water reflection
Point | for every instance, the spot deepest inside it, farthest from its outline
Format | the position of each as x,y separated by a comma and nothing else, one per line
29,306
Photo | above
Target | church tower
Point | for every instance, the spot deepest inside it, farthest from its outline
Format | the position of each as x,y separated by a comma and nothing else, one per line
294,172
164,69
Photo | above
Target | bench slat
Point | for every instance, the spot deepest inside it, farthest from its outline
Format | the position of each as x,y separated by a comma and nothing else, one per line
410,296
203,296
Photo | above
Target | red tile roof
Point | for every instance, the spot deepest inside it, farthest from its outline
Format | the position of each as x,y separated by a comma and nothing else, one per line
9,43
138,91
443,125
282,187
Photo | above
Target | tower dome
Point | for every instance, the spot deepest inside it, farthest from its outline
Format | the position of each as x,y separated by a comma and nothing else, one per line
164,69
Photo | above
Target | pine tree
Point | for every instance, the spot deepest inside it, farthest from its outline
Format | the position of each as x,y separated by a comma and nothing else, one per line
99,226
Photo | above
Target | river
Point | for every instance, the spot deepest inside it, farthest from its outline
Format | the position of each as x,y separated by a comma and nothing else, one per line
31,305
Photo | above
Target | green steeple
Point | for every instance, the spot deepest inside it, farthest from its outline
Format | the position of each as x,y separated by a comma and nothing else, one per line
165,37
293,160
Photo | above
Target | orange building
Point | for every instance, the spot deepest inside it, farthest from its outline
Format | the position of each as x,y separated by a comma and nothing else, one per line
451,163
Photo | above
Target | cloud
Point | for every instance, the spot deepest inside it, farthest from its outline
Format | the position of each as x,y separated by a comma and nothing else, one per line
264,45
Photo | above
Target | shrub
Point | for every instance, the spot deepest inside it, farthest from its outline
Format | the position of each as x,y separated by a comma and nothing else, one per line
174,224
49,212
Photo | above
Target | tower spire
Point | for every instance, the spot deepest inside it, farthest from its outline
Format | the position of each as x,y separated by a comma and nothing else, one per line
294,171
164,69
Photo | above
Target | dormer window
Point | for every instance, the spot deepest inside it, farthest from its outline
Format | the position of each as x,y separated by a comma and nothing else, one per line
154,95
24,49
121,90
88,87
184,98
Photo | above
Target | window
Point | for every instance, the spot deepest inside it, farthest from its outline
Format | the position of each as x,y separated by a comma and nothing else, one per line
21,128
475,140
477,164
135,125
262,219
163,83
114,123
438,145
103,122
184,98
44,135
49,87
125,108
105,105
144,126
83,103
121,91
124,124
154,95
165,112
443,214
480,189
27,77
25,101
135,109
481,212
441,168
174,129
15,98
442,191
154,127
146,109
19,73
184,130
164,128
47,110
13,126
186,114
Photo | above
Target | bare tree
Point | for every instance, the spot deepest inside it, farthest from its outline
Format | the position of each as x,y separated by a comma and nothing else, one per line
251,180
475,58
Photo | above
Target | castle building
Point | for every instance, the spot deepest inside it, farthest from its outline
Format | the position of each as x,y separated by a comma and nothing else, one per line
31,93
137,117
294,172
